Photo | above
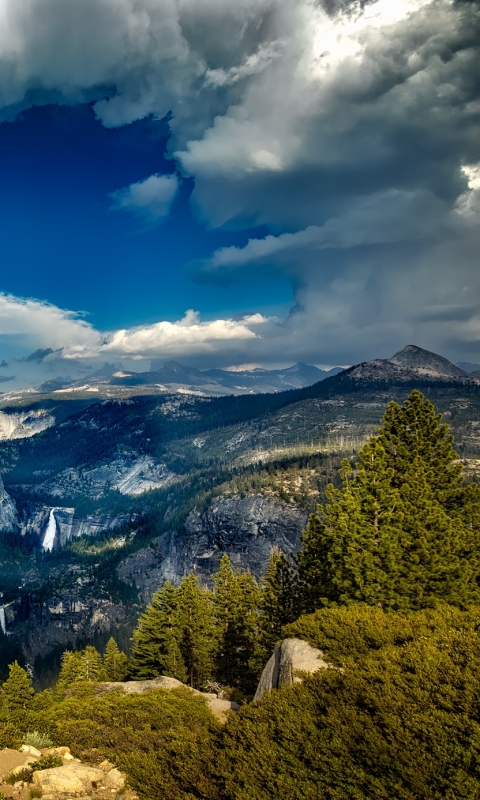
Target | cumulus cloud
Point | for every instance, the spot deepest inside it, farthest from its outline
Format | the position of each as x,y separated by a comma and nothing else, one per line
189,337
149,199
349,128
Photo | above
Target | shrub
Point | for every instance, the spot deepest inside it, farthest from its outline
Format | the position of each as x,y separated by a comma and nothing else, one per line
37,739
401,720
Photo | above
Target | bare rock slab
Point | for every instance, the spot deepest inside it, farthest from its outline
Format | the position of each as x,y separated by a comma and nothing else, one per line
289,658
73,779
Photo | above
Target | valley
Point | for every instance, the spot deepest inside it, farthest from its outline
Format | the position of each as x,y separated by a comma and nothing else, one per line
118,495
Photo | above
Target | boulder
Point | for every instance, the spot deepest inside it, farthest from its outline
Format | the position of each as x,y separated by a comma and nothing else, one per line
72,778
114,779
289,658
28,748
10,759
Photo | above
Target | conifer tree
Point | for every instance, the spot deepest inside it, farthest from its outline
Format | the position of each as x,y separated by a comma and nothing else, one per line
18,689
69,670
196,626
226,602
115,662
235,601
393,536
279,602
416,430
90,667
156,639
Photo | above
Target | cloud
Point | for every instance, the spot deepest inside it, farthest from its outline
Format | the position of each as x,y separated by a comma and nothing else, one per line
149,199
349,129
5,378
188,337
40,354
3,363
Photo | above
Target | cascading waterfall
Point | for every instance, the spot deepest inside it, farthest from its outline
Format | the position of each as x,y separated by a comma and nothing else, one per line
3,621
51,532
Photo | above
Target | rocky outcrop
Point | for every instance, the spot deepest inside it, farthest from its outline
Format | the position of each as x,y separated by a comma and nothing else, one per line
130,473
22,424
217,706
289,658
70,779
62,621
246,529
8,511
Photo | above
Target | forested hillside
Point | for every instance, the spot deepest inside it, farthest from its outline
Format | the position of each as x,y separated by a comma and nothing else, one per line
386,585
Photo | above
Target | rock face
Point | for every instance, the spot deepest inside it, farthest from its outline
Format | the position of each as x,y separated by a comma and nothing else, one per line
22,424
68,526
246,529
290,657
8,511
130,473
69,779
217,706
62,621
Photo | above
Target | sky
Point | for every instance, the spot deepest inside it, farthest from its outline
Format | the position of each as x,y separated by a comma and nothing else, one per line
261,182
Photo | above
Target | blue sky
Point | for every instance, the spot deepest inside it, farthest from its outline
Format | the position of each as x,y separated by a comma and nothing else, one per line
265,181
63,242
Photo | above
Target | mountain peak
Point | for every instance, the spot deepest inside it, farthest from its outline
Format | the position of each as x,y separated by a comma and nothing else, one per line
426,362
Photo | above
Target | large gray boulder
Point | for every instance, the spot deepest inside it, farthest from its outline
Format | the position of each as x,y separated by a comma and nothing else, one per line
289,658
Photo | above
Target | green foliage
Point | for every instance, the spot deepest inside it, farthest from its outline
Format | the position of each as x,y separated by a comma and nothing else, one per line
235,605
37,739
46,762
278,600
115,662
34,792
81,666
389,536
18,689
400,721
164,740
156,649
10,735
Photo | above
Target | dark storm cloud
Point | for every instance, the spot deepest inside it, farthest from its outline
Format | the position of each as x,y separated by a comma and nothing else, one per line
349,129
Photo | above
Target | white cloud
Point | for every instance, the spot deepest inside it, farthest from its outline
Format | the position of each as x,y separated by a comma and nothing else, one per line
41,324
186,337
150,199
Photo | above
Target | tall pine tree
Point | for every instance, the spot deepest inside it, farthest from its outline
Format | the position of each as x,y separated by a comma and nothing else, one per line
115,662
403,531
196,625
279,602
156,648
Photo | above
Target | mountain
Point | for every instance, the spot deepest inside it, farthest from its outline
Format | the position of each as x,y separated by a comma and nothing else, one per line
426,363
467,366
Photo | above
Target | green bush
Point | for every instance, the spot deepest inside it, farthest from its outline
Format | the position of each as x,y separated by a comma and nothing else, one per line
400,721
163,740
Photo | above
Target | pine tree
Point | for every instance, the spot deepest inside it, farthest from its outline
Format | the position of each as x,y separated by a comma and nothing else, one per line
18,689
416,430
156,639
393,536
115,662
434,567
235,601
196,626
90,666
69,670
279,602
225,603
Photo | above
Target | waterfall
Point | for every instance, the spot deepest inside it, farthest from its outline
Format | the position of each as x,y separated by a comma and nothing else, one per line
51,532
3,621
